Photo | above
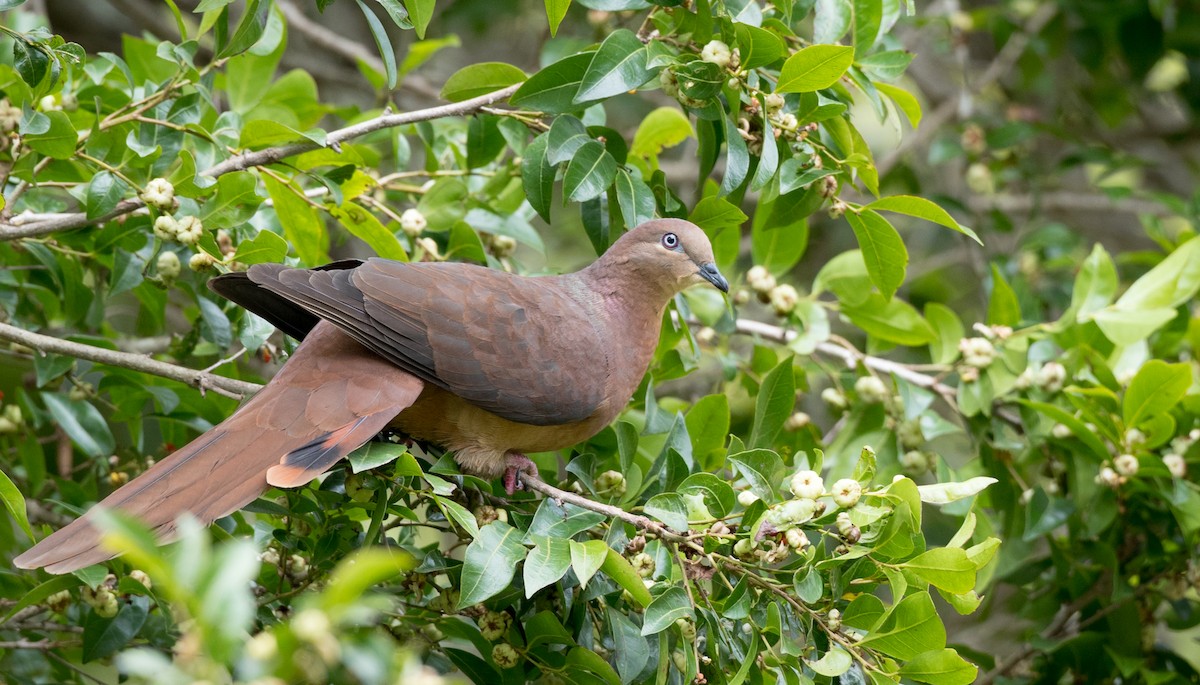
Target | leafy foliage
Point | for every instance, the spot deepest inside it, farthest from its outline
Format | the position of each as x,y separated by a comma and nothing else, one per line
729,527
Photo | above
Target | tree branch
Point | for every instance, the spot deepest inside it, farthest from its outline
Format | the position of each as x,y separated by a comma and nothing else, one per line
641,522
269,155
782,335
230,387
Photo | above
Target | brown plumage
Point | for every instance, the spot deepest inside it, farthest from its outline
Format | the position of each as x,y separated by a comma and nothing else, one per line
482,362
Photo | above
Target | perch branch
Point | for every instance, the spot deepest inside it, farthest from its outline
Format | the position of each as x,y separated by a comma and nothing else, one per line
46,344
641,522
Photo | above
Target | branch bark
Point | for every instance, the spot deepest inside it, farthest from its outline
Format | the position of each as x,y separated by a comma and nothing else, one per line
269,155
230,387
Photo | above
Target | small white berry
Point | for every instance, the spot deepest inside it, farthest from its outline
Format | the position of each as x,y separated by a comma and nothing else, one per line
747,497
1126,464
413,222
1051,377
1061,431
783,299
807,485
169,265
717,52
796,421
159,193
165,228
977,352
871,389
189,230
1175,465
847,492
759,279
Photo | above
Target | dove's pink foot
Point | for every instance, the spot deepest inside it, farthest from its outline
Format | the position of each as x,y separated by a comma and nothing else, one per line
517,463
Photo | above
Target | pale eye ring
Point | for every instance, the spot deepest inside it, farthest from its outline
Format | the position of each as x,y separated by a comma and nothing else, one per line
670,241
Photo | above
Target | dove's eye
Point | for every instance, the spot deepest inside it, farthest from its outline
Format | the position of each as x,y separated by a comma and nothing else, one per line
670,241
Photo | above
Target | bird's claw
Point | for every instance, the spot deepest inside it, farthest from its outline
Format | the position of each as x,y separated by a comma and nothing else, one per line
517,464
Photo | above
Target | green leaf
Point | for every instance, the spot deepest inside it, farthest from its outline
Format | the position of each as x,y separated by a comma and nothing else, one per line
833,663
814,68
555,11
1078,428
737,157
83,423
810,585
552,90
630,649
422,51
562,520
444,204
893,320
57,141
589,173
1157,387
921,208
480,79
420,11
490,562
103,193
546,563
667,608
264,248
945,493
758,47
586,558
31,62
14,502
1168,285
669,508
1003,307
912,628
1095,286
831,20
715,213
662,128
775,402
868,18
940,667
618,66
708,424
592,664
762,470
383,44
459,514
947,568
363,225
103,637
621,571
251,27
882,249
360,571
635,198
537,177
886,66
943,320
905,101
375,454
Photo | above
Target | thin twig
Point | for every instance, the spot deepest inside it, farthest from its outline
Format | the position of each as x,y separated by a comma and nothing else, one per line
46,344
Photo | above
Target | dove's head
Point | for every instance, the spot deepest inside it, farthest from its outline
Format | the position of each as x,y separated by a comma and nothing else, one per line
671,253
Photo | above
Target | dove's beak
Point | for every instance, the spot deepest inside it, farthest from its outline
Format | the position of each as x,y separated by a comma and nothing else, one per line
710,273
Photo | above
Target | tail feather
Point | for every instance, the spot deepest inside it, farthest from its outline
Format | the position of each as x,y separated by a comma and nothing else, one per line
280,437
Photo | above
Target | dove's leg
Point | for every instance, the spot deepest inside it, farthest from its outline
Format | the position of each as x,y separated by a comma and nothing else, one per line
517,463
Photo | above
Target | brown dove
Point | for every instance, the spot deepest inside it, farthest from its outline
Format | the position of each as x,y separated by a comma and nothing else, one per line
484,363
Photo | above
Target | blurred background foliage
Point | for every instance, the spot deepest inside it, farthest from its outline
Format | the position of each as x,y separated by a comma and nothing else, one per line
1053,360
